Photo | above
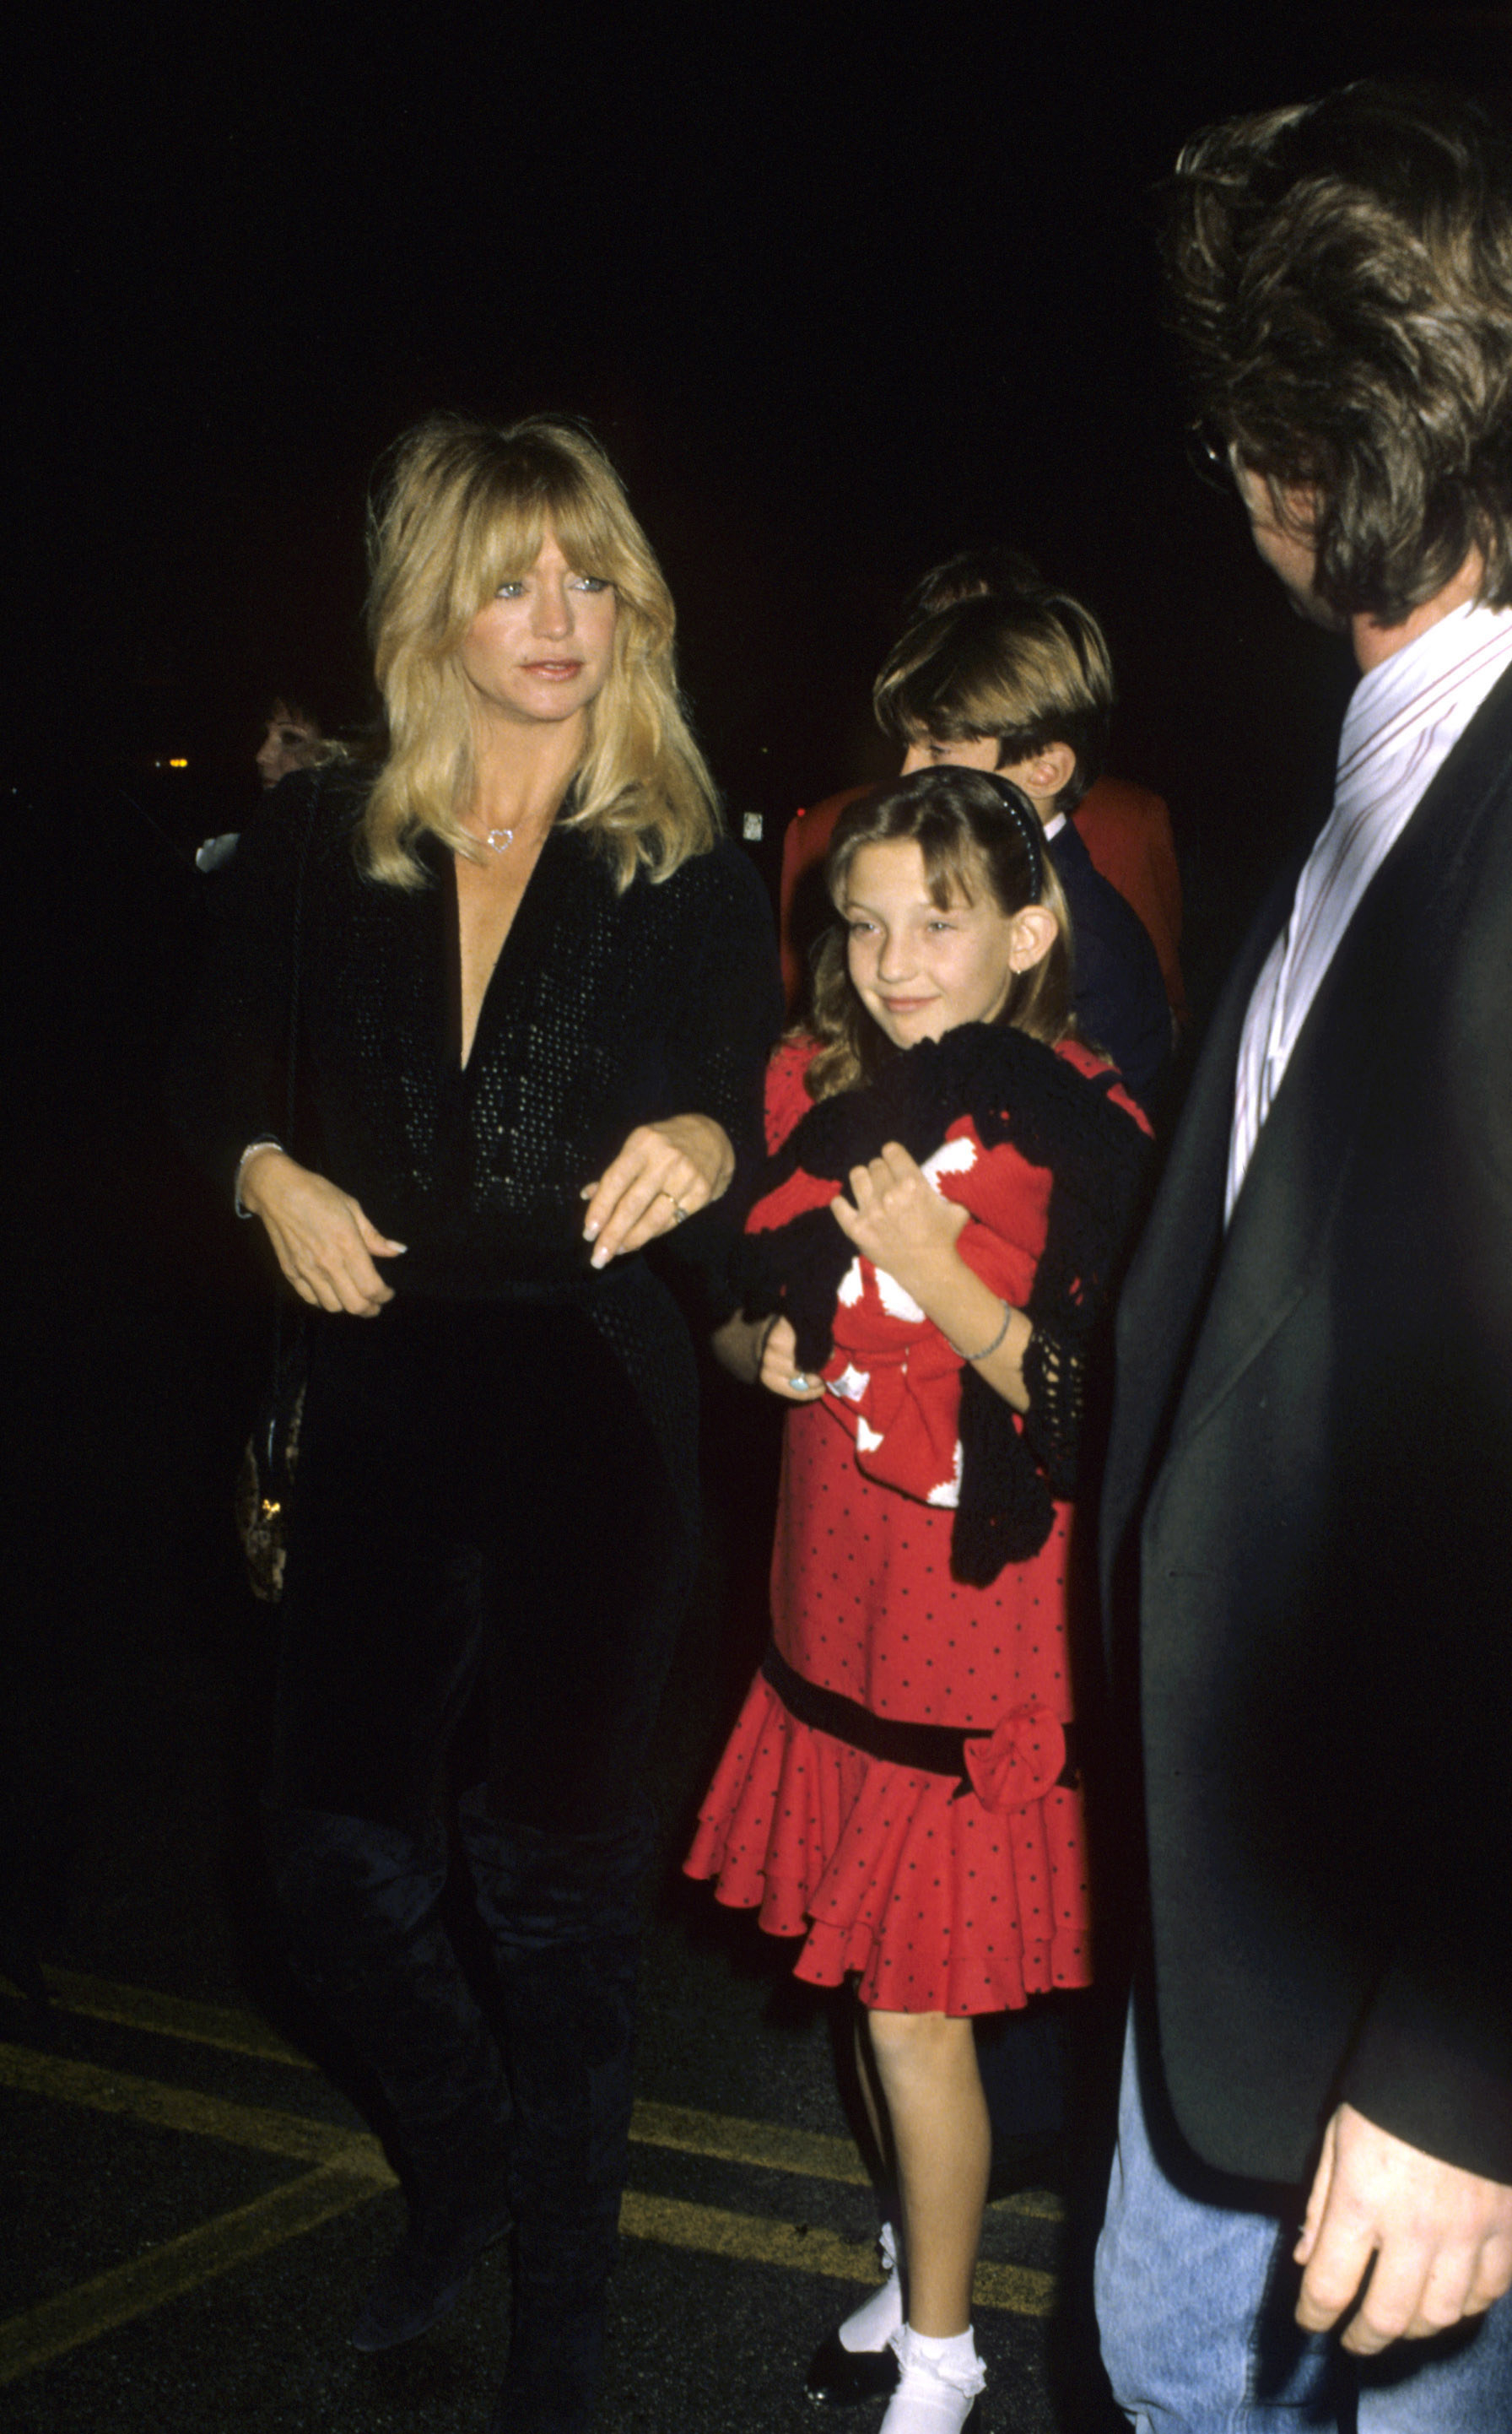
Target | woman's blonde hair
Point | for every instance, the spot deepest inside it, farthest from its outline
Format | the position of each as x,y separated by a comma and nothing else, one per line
976,832
463,507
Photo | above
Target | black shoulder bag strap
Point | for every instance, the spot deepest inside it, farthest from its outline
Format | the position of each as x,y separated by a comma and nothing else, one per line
273,1452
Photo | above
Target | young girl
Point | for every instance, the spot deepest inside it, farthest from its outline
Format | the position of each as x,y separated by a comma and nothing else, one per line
952,1177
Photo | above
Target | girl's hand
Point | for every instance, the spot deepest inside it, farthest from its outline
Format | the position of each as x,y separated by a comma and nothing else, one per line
776,1370
900,1222
321,1236
759,1351
664,1173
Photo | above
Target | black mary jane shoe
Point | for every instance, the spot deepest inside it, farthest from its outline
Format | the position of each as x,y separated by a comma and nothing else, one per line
839,2377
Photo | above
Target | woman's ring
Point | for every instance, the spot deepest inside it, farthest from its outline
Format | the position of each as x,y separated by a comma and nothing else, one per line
800,1385
678,1211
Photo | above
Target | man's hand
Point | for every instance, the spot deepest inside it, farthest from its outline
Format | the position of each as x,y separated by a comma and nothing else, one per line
1441,2238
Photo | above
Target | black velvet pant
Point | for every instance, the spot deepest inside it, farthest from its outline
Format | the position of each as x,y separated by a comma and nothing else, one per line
491,1507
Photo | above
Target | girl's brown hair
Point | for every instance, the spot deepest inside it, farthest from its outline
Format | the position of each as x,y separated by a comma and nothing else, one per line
974,832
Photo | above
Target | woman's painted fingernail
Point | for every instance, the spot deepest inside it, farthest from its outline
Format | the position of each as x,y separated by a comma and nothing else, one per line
590,1229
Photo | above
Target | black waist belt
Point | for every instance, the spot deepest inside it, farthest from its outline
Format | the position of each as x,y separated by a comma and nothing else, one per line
924,1749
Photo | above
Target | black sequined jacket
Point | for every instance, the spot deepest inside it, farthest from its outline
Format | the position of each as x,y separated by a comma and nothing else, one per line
605,1010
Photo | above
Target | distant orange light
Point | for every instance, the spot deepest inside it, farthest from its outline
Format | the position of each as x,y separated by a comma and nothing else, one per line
178,764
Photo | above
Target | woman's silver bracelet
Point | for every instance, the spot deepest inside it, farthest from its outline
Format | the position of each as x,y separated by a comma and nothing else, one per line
988,1349
264,1141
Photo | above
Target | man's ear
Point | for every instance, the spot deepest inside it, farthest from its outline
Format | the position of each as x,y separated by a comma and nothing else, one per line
1035,931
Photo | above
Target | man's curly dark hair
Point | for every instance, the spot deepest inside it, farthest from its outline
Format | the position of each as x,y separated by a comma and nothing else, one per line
1340,276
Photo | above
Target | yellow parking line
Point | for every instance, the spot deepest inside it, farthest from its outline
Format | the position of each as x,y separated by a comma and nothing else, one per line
1018,2290
170,2016
726,2141
349,2167
796,2248
722,2139
261,2127
718,2136
177,2266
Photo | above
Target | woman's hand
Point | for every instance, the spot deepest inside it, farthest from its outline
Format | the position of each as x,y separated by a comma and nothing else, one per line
321,1238
664,1173
900,1222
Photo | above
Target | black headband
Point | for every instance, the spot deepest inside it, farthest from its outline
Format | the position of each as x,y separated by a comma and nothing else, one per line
1026,820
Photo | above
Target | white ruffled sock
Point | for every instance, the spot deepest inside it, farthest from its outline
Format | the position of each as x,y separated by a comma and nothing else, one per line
875,2320
938,2385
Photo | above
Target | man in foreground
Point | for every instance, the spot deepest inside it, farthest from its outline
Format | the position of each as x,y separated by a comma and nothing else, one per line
1304,1523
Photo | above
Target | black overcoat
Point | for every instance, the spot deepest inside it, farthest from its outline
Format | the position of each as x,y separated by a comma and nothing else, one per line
1308,1530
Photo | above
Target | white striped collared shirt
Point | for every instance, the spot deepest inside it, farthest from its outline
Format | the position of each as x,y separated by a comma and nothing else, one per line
1404,719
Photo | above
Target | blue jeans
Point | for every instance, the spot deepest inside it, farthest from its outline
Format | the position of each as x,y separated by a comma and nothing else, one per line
1196,2292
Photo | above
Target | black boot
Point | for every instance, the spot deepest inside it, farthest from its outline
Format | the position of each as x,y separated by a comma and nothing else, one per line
562,1919
361,1906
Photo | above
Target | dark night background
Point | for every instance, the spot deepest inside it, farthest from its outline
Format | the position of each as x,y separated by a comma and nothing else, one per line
841,291
842,288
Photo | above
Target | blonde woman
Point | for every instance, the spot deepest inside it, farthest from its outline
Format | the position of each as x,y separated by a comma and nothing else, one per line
535,993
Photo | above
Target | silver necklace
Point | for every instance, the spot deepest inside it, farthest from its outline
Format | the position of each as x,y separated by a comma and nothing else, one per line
500,839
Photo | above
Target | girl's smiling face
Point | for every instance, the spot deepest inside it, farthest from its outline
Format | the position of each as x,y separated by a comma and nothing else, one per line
920,969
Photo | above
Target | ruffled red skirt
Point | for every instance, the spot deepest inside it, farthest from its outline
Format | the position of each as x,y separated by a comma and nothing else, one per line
934,1901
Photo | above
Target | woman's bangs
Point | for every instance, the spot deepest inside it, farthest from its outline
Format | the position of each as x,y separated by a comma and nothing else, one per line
588,535
505,542
513,528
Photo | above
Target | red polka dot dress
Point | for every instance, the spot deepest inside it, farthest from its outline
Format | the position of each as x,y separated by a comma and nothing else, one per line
936,1900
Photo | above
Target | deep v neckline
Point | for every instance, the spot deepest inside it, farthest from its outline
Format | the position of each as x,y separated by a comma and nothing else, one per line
526,921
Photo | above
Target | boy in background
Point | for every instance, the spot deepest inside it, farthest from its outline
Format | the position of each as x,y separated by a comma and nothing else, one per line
1020,682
